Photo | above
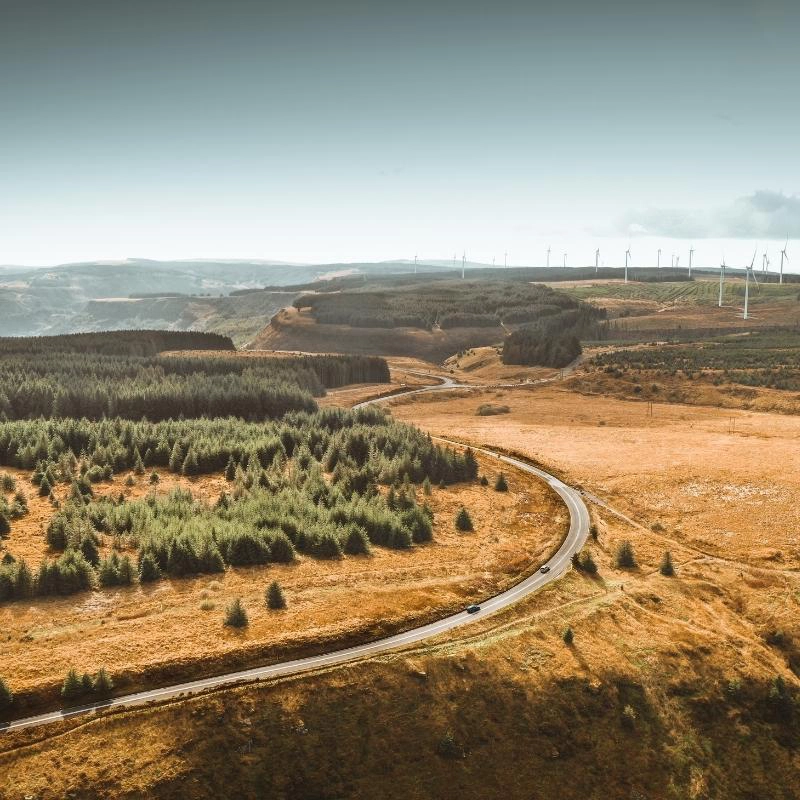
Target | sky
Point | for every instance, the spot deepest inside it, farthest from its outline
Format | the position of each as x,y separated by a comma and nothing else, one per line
353,131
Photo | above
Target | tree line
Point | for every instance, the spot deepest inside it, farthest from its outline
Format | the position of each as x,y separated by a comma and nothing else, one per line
553,341
118,343
449,304
91,386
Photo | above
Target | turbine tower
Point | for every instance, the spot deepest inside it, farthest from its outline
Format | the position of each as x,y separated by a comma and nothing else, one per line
505,259
747,272
548,256
721,280
565,260
596,260
764,262
658,260
415,265
463,264
691,255
784,255
627,256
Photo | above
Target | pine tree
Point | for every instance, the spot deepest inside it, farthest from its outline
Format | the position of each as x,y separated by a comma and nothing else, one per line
568,636
72,686
44,487
667,568
154,479
625,558
148,569
5,525
357,542
190,466
501,484
138,464
230,469
235,615
103,685
6,696
176,458
426,487
87,684
274,596
23,580
484,481
126,572
463,520
470,464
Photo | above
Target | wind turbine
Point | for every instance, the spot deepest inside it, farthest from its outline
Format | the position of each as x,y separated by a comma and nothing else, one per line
596,260
565,260
505,260
548,256
658,260
493,260
463,264
784,255
672,261
627,256
415,265
691,254
764,262
721,280
747,272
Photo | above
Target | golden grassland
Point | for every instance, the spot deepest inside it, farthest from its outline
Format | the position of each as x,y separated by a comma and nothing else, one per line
158,632
664,694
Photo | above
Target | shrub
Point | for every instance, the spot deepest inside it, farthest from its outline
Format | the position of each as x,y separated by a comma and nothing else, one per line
625,557
154,477
6,697
489,410
274,596
7,482
568,636
448,747
235,615
426,487
667,568
629,716
593,531
501,484
464,521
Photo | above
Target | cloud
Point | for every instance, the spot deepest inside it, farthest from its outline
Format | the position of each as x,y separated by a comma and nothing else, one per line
761,215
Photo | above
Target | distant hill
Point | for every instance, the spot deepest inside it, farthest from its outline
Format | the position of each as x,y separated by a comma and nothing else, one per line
137,293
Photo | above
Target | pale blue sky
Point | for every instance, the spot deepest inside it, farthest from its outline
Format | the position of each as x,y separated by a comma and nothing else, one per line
325,131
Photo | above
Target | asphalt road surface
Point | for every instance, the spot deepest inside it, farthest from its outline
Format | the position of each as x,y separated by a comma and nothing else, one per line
558,564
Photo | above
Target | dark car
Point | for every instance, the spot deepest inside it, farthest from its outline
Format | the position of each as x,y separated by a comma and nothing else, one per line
473,609
545,569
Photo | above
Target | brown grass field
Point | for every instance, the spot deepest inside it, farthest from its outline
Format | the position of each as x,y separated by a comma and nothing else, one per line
666,685
143,633
668,692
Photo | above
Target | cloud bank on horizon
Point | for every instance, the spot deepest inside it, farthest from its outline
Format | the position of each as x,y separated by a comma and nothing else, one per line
761,215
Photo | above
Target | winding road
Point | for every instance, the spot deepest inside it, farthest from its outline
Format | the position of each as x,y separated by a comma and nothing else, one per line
558,564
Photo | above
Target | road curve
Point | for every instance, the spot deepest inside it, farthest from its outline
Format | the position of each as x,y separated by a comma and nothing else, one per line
558,564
